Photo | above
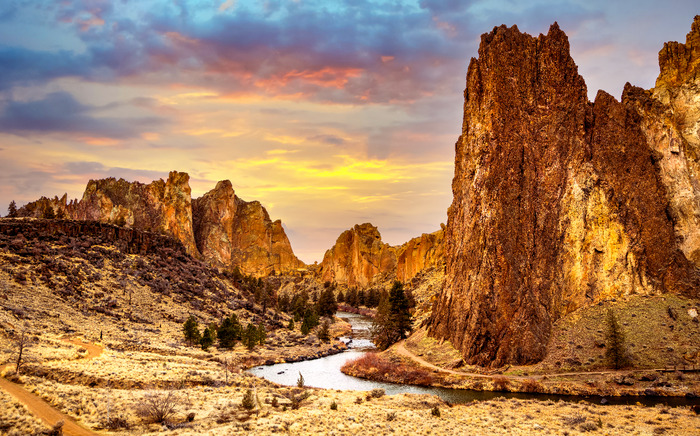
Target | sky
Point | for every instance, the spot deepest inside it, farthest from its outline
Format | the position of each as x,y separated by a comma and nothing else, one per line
330,113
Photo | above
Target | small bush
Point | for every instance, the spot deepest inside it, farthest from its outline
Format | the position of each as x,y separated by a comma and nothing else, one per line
159,406
435,411
274,402
588,426
377,393
300,381
117,423
390,416
248,402
500,383
358,400
334,406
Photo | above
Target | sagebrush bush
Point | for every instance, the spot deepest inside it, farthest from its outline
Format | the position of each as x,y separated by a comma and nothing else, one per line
334,406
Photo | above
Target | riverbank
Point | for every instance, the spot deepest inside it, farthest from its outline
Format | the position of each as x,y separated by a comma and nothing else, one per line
403,363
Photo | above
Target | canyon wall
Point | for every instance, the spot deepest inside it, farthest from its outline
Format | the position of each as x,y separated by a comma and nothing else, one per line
219,227
560,202
359,257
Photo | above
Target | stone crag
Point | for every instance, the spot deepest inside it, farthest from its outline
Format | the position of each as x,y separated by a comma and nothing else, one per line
359,258
219,227
559,202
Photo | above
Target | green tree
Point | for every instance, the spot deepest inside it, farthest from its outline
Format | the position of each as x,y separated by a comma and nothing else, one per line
290,326
327,306
12,210
262,334
393,319
341,297
310,321
615,349
324,332
191,330
207,339
229,332
250,336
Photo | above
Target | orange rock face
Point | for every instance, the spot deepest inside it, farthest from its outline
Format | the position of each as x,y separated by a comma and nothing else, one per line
559,202
218,227
233,232
360,258
425,251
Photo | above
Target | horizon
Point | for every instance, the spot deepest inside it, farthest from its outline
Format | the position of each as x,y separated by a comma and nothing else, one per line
330,116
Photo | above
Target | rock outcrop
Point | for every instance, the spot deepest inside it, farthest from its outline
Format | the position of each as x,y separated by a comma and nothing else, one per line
219,227
559,202
233,232
425,251
359,258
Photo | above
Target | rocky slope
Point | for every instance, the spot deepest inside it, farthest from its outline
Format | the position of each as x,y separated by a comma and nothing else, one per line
219,227
559,202
359,258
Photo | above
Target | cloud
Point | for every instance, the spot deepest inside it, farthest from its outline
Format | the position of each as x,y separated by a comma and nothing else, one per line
228,4
60,112
327,139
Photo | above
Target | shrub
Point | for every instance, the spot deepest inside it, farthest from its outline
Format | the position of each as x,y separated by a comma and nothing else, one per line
300,381
116,423
390,416
588,426
500,383
435,411
334,406
373,366
531,385
159,406
377,393
248,402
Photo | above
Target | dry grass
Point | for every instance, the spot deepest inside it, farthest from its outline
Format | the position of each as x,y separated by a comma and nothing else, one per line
376,367
16,420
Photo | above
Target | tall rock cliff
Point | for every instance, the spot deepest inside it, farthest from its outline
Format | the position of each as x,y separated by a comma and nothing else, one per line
218,227
360,258
425,251
559,202
232,232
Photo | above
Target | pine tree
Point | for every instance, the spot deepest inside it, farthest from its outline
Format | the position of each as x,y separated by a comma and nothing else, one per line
250,337
207,339
327,306
324,332
191,330
393,319
12,210
615,350
229,332
290,326
262,334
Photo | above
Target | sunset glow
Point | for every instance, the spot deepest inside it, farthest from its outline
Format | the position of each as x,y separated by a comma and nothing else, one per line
329,113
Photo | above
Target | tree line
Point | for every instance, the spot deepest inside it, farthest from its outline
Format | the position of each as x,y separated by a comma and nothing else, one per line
227,334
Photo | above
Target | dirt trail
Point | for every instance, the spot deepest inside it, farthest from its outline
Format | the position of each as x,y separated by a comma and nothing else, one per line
401,349
43,410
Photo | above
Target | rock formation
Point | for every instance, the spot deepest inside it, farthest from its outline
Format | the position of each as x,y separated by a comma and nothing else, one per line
219,227
425,251
232,232
560,202
360,258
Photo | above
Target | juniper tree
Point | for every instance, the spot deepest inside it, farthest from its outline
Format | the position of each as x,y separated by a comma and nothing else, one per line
615,349
207,339
191,330
12,210
327,305
229,332
262,334
393,319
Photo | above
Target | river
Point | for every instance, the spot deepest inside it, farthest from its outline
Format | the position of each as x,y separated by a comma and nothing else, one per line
325,373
